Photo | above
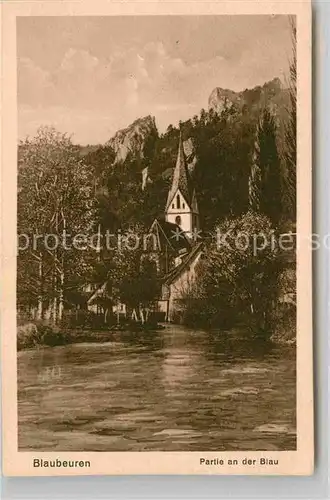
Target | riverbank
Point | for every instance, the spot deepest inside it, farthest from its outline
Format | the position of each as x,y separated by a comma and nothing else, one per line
34,335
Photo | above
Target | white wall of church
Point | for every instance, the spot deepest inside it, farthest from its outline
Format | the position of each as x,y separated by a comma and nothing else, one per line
185,218
180,208
178,203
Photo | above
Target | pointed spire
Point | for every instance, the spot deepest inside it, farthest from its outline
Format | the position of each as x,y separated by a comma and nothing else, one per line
255,174
181,159
181,178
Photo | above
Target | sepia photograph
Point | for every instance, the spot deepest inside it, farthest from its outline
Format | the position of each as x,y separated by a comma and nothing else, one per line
158,292
156,278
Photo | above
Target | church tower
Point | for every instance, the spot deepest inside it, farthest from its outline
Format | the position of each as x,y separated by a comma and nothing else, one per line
181,206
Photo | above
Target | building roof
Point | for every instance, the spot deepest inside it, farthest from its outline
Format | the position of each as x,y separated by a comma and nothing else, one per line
99,290
178,270
181,178
170,235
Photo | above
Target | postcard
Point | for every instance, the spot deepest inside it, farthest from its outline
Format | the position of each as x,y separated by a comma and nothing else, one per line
156,244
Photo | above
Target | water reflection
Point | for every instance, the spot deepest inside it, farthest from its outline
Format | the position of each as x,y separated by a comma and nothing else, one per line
176,389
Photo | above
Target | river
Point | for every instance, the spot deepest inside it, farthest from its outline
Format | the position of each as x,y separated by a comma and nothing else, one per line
172,390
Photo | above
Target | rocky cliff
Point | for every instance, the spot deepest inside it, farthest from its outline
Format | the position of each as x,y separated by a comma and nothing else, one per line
271,94
133,138
221,99
158,152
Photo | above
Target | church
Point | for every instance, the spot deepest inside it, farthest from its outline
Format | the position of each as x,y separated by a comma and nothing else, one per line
179,248
174,245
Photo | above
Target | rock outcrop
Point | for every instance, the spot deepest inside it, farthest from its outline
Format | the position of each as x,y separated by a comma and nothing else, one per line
132,139
189,151
270,94
221,99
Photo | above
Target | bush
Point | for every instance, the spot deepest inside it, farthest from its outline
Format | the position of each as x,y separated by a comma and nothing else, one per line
83,319
284,324
36,334
284,313
28,336
204,314
52,336
234,283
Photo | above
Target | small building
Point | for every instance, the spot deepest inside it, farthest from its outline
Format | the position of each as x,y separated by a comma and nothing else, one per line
99,302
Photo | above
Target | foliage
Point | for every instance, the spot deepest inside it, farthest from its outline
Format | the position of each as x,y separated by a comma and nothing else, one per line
206,302
52,336
37,334
265,179
284,324
27,336
54,198
255,177
284,314
237,281
134,276
82,319
223,150
290,150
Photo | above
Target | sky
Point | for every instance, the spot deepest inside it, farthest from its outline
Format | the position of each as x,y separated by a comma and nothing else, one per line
90,76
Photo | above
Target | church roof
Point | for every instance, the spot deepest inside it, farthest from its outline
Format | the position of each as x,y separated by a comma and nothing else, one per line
178,270
181,178
170,235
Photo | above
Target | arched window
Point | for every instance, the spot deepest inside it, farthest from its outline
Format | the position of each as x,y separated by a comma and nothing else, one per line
178,204
178,220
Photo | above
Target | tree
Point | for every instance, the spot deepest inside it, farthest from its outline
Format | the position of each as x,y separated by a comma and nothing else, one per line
223,149
206,299
265,179
105,300
134,276
100,161
240,270
255,176
290,146
55,199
